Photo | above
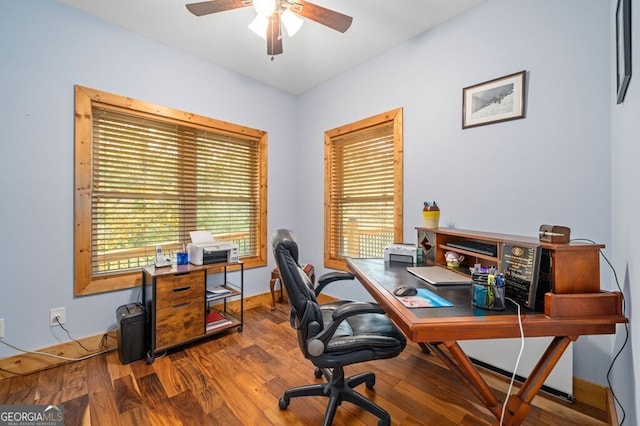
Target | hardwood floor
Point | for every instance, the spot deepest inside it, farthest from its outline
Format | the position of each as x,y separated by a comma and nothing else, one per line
237,379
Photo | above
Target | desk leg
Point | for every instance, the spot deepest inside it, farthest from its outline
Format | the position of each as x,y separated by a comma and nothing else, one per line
424,347
462,367
518,405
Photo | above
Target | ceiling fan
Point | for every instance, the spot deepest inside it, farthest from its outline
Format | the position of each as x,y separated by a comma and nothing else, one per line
273,14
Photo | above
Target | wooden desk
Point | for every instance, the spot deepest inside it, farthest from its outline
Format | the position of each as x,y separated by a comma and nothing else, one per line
439,329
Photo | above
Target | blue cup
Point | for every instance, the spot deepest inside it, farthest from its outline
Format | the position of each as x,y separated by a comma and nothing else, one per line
183,258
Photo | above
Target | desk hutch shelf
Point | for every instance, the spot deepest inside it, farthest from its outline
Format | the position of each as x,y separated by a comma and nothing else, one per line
564,268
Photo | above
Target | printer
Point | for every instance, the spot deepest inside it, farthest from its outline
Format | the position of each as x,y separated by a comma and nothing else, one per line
405,253
203,250
206,253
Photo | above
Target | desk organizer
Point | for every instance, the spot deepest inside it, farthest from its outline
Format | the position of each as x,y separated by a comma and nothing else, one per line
486,293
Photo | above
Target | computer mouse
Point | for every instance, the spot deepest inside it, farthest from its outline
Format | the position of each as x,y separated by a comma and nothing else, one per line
405,290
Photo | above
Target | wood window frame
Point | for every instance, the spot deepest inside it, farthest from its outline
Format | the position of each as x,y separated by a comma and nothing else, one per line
85,99
332,259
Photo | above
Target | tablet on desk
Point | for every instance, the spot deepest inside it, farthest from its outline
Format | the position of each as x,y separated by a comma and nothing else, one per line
438,275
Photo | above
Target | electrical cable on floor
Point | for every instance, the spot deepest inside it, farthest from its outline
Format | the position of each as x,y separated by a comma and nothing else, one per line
626,328
515,368
57,356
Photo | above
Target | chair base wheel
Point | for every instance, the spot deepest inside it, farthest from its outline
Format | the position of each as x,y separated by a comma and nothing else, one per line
283,403
339,389
370,383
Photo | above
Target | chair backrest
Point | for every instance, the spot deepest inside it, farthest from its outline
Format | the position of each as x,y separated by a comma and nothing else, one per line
306,316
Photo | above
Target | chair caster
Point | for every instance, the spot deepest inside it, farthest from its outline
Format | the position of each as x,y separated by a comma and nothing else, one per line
317,372
370,383
283,403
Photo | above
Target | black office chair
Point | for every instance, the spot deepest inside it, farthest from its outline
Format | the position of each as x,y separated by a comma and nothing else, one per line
334,334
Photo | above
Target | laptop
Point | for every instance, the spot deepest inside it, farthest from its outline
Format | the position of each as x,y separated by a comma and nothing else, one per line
438,275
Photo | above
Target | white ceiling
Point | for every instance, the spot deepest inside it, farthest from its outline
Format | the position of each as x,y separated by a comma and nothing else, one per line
314,55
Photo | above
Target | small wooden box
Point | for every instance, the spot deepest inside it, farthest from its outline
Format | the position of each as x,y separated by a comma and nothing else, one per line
554,234
583,305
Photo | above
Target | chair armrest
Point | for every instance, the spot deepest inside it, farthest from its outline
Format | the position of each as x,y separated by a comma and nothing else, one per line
330,277
345,311
356,308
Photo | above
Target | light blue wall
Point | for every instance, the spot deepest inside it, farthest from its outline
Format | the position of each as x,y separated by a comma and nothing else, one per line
625,202
555,166
551,167
46,48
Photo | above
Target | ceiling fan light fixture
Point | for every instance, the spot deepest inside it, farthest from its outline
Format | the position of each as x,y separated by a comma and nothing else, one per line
259,25
291,22
264,7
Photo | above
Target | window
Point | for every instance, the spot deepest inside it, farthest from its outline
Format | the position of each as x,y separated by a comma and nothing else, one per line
147,175
363,188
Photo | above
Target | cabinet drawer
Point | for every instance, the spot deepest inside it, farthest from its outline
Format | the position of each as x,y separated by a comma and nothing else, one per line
174,290
178,323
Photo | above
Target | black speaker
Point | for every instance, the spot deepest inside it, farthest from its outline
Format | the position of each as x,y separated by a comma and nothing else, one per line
131,321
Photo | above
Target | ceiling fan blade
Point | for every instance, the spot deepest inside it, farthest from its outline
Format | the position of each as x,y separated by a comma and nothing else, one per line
274,39
324,16
214,6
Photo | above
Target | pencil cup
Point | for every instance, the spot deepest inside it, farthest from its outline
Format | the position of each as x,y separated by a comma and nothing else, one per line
182,258
485,295
431,215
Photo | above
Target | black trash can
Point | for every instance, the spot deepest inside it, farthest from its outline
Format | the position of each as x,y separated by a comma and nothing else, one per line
131,321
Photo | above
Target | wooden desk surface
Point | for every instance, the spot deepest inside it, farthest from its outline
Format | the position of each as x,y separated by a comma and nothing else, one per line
463,321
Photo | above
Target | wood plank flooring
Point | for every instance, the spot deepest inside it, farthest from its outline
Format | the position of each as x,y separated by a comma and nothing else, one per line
237,379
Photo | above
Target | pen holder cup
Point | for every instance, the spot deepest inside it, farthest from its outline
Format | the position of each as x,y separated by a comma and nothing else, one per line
182,258
431,217
485,295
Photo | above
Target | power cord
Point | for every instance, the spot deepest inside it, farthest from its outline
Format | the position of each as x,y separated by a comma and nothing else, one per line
57,356
515,368
67,331
103,344
105,338
626,328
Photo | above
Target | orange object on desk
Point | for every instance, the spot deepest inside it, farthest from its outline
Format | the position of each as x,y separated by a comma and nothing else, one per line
275,277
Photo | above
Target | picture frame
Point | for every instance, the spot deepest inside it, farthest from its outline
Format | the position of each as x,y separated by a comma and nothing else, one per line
623,48
494,101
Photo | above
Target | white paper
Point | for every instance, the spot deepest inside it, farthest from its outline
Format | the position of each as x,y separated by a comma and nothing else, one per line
201,236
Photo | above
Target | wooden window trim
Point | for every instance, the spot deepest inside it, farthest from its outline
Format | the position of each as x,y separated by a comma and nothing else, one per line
85,99
394,117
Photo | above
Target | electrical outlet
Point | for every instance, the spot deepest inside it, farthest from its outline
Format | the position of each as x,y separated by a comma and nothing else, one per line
1,328
56,312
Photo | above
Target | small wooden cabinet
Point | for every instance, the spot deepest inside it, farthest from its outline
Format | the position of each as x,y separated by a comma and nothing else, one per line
178,304
564,268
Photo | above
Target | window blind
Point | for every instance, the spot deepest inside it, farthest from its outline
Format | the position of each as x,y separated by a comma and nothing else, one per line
154,181
363,188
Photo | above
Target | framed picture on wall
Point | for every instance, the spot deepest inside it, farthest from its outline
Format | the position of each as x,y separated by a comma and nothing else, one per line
623,47
493,101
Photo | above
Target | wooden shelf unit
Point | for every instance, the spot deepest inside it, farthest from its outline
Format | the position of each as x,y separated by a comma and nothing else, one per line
176,303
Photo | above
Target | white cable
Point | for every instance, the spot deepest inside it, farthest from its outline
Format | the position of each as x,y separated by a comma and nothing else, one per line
513,376
58,356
